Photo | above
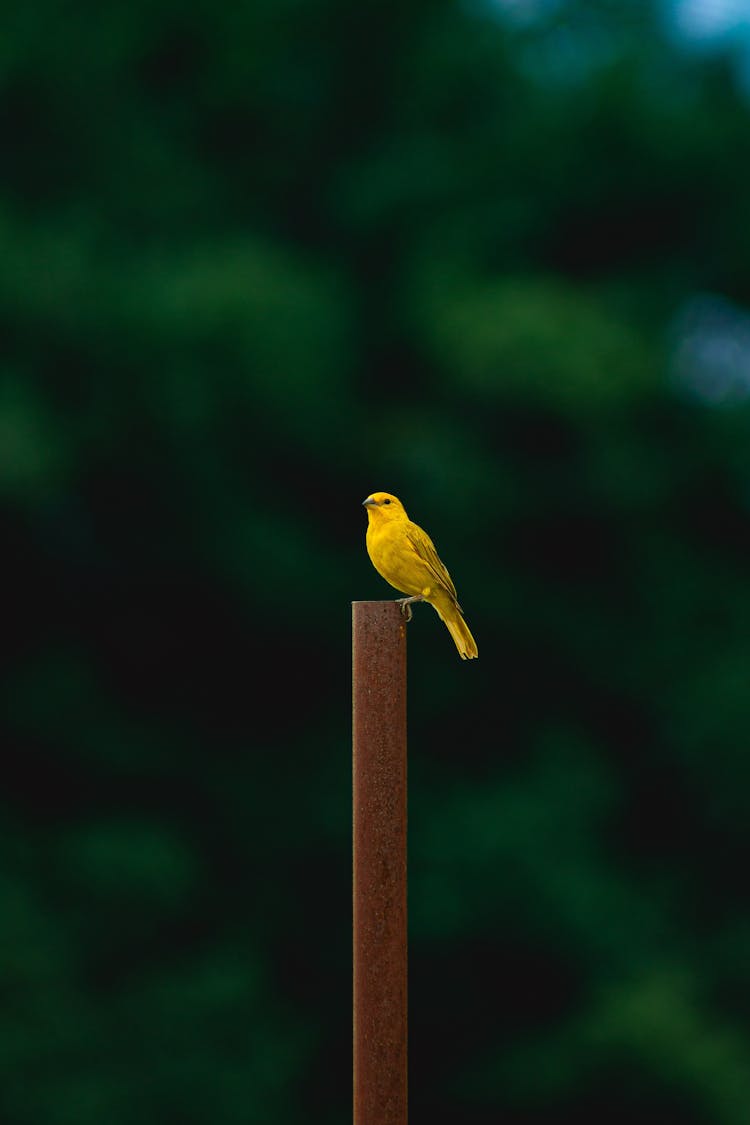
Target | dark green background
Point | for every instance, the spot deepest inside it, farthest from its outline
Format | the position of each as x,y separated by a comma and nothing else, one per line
259,260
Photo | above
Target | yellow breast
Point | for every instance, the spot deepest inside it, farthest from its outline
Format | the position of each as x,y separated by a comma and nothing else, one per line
395,559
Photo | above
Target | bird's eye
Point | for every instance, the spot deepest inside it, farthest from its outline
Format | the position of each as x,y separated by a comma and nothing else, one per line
386,501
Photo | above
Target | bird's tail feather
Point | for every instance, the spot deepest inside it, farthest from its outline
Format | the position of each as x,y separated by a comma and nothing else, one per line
459,630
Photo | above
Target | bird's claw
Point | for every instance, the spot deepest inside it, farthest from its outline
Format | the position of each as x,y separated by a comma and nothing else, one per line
405,605
405,608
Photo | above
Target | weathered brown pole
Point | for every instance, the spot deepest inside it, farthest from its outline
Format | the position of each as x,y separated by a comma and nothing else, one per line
379,875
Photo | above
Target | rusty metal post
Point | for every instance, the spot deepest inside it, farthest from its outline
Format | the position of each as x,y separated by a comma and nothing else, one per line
379,871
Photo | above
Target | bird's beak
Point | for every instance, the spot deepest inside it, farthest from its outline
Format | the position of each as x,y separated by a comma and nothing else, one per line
369,502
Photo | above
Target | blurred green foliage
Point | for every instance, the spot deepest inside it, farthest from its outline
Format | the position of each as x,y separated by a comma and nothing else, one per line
258,261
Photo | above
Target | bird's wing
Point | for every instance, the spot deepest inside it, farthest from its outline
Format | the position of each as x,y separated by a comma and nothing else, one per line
425,548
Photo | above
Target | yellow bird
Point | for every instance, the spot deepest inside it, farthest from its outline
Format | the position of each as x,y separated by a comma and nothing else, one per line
406,557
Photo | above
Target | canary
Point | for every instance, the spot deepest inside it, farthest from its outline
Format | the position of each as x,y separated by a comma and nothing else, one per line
406,557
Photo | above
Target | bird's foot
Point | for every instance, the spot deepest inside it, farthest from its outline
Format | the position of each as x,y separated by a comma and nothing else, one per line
406,603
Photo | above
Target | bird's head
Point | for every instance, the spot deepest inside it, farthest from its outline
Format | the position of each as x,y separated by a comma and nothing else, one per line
384,506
